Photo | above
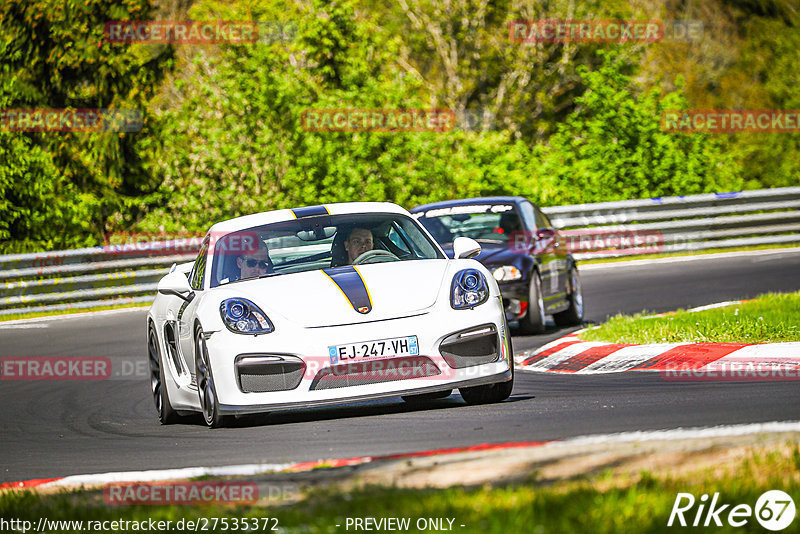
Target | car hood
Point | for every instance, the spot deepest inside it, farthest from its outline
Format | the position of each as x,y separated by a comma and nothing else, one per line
314,299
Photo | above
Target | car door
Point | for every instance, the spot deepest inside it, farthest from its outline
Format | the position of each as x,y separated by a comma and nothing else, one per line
188,310
557,254
542,249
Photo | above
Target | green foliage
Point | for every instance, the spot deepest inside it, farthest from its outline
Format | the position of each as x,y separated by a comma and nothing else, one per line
222,124
236,144
54,55
616,502
39,209
767,319
612,147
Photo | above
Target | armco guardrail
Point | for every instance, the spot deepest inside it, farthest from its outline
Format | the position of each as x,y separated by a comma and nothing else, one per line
679,224
99,276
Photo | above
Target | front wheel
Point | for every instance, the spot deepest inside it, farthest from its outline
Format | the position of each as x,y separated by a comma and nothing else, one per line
533,321
158,386
205,385
574,314
490,393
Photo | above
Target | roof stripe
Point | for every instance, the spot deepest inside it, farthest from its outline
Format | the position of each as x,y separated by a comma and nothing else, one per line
310,211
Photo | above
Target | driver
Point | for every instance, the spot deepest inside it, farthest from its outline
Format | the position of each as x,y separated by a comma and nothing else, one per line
359,241
255,263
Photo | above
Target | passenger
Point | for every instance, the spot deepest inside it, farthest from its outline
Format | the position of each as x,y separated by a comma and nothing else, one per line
254,264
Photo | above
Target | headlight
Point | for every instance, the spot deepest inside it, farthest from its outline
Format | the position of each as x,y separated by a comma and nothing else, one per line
506,273
469,289
243,317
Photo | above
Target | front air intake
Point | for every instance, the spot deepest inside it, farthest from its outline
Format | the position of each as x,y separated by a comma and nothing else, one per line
261,373
372,372
467,348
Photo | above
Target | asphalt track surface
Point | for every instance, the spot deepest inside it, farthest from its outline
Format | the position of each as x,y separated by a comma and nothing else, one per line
59,428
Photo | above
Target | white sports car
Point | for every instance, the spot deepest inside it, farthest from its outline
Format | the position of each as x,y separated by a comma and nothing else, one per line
323,305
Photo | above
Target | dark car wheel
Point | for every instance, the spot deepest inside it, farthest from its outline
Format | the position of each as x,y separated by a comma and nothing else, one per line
205,385
158,386
533,321
489,393
574,314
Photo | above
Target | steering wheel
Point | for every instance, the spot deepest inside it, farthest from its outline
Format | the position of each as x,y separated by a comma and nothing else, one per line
384,255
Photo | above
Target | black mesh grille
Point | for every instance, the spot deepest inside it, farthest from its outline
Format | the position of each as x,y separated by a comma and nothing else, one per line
359,374
277,376
469,351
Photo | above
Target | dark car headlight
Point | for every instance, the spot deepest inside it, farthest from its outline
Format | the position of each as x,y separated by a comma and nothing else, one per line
507,273
469,289
243,317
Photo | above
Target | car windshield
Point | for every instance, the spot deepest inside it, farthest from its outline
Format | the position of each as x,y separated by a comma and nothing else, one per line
481,222
320,242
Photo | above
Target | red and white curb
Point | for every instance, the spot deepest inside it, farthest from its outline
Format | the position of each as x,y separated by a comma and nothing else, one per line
131,477
244,470
571,355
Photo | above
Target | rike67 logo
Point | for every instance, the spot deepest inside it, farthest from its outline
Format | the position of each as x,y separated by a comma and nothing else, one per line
774,510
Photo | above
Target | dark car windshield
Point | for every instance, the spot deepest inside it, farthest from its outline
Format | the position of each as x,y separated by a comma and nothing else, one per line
313,243
481,222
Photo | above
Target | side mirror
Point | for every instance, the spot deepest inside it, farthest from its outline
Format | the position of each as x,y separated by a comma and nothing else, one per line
545,233
464,248
175,283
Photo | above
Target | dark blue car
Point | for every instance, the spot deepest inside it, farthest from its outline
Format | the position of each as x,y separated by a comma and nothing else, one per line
523,251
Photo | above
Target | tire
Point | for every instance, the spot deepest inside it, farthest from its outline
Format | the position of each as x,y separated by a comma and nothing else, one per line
489,393
533,322
425,397
166,414
574,314
205,385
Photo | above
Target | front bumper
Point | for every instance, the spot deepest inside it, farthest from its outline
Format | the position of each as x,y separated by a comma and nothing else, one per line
515,299
311,346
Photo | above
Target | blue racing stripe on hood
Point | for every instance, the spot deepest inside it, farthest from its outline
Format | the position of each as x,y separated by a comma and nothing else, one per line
310,211
348,279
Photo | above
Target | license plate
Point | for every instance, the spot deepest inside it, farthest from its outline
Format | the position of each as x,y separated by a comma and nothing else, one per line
371,350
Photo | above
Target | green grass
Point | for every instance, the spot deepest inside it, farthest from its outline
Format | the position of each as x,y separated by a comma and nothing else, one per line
70,311
608,502
688,253
768,318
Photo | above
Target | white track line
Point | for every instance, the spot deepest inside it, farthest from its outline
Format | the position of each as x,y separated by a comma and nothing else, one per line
678,259
79,315
166,474
683,433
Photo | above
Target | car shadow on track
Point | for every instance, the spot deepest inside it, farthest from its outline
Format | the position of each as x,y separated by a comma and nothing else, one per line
388,406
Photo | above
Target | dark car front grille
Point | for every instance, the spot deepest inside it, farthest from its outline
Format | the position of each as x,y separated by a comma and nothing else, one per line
362,373
264,373
467,348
